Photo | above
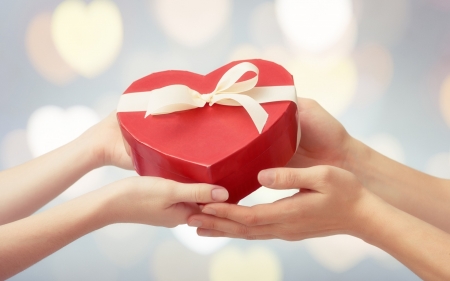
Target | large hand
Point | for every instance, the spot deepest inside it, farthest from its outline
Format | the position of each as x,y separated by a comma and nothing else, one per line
157,201
324,140
106,140
330,201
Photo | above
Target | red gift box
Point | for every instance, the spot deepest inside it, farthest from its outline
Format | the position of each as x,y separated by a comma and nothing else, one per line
218,144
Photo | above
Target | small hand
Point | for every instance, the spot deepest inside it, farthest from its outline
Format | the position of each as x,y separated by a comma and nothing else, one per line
157,201
324,140
330,201
107,143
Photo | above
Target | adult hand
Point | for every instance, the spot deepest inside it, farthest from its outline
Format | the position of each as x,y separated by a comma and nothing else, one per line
157,201
324,140
330,201
107,143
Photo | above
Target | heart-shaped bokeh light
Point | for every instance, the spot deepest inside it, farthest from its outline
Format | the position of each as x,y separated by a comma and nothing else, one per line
87,36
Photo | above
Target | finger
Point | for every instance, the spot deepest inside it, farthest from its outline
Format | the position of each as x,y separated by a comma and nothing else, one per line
215,233
198,193
228,226
290,178
250,216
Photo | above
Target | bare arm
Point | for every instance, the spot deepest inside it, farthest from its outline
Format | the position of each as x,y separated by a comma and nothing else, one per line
27,187
421,195
326,142
332,201
145,200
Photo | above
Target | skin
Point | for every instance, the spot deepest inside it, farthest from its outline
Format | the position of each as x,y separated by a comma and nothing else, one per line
144,200
345,187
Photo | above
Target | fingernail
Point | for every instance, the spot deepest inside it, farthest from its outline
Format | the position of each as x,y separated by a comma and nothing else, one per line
204,232
267,177
219,194
201,207
209,211
195,223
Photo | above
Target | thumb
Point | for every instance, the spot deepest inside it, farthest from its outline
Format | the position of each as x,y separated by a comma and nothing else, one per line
287,178
199,193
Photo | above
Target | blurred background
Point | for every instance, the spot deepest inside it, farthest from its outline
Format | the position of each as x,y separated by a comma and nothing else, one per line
381,67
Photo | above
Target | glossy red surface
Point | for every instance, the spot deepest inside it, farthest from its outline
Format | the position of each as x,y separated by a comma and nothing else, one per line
214,144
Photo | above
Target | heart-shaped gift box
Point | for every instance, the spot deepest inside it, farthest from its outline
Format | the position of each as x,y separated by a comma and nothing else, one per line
251,124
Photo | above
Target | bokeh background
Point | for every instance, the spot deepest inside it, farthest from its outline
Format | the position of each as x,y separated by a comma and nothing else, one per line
382,67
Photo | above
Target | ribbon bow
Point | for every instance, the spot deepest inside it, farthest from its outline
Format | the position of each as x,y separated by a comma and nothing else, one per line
228,91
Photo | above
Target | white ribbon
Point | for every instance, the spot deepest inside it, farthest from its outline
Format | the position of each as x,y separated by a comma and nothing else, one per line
228,91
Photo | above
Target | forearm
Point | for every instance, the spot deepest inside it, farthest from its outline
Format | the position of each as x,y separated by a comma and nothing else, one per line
420,246
26,188
414,192
27,241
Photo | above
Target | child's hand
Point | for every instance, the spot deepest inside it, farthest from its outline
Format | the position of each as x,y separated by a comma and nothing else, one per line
156,201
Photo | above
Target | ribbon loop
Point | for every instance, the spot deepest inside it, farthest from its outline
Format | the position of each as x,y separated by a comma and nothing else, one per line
228,92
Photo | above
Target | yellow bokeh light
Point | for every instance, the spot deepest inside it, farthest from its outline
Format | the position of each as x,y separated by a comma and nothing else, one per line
42,52
257,263
445,100
333,85
87,36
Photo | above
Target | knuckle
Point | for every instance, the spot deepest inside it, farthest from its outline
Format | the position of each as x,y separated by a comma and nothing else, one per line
197,194
326,173
242,231
211,224
250,219
289,178
223,213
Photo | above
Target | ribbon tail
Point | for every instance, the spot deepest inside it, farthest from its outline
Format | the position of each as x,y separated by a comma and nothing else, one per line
254,109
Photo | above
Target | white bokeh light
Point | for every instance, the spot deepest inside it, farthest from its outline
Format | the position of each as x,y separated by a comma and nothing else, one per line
202,245
340,253
314,25
387,145
50,127
265,195
89,182
192,23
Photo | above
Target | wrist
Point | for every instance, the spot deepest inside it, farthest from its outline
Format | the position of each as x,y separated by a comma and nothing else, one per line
372,217
91,149
114,201
357,154
105,201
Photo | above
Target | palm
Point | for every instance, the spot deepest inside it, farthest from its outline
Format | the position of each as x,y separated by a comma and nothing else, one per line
323,138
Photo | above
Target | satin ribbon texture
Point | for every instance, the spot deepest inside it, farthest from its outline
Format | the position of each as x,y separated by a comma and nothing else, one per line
228,92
